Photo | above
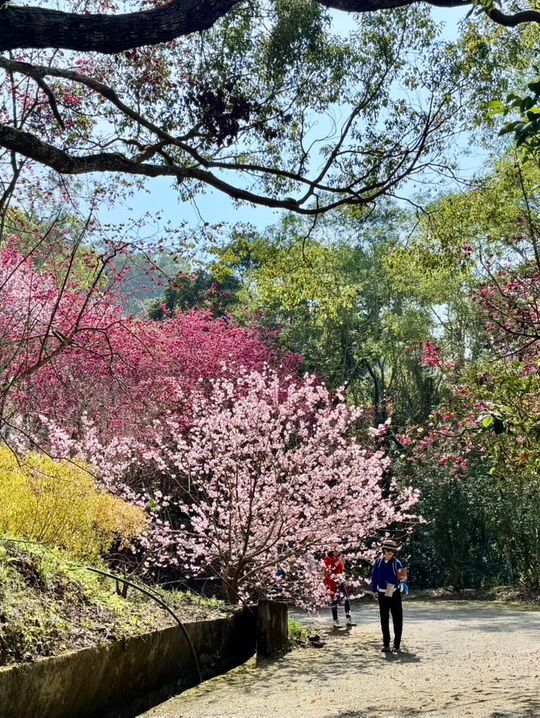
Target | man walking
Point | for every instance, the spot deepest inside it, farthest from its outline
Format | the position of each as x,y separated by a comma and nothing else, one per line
385,580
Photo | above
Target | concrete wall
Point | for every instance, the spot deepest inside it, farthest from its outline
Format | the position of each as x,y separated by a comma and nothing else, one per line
123,678
272,627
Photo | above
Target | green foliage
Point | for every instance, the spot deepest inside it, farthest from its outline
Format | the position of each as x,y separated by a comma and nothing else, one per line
299,635
198,290
512,441
332,300
462,231
457,546
523,102
52,604
458,243
477,458
498,58
298,32
526,129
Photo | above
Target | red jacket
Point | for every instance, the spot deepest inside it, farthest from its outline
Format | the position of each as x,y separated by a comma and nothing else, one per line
334,573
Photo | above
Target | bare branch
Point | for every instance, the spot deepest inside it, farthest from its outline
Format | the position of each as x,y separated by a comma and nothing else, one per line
32,147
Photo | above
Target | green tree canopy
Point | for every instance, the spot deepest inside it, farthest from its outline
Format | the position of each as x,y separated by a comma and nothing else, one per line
331,298
270,106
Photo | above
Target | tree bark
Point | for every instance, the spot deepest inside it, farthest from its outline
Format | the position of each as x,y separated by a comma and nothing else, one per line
32,147
34,27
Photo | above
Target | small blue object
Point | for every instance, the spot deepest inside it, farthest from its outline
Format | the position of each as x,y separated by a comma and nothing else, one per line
404,588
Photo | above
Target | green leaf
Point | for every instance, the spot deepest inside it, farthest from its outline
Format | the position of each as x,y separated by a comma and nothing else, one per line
512,127
533,113
496,108
512,99
527,103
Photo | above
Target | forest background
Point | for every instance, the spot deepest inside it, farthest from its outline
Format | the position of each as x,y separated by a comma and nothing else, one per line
247,398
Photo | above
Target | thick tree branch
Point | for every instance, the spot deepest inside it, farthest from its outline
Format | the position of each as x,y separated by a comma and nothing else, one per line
35,27
518,18
501,18
373,5
46,154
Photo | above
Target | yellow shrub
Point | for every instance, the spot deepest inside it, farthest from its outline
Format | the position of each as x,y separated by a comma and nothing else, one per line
58,503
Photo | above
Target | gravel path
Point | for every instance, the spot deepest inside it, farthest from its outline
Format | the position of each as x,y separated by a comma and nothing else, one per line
460,660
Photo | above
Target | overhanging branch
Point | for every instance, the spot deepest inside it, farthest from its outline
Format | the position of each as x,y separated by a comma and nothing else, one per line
61,161
35,27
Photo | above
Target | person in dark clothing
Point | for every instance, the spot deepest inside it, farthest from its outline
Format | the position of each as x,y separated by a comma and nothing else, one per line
385,580
334,575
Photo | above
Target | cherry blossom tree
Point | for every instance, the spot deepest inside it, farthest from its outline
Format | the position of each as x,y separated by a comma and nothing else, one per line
80,380
69,352
272,476
511,303
140,371
42,317
267,477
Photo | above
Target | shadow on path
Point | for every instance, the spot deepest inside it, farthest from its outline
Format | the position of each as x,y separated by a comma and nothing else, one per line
527,707
466,660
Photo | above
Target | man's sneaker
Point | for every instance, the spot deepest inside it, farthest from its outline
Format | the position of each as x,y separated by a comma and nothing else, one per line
385,649
349,621
336,623
396,649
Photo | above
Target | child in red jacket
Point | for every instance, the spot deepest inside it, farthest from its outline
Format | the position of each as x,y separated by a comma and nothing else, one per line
334,577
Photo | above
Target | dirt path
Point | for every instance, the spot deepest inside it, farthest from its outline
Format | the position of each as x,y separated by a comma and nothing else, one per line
460,660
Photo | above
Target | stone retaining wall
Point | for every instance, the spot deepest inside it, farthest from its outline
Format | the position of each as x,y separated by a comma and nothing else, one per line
123,678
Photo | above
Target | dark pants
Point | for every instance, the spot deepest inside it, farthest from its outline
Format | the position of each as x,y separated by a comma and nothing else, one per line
392,606
340,594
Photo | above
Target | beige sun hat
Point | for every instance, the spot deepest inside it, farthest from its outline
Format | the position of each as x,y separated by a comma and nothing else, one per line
389,543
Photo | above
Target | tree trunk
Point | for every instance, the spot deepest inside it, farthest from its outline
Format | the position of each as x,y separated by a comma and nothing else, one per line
230,590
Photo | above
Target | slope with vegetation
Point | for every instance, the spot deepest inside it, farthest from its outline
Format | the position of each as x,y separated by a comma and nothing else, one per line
56,527
51,603
372,363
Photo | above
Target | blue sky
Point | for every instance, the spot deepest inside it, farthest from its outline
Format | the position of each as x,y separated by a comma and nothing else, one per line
215,207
